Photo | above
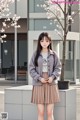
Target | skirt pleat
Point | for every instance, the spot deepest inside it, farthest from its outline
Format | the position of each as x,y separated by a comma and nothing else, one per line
45,94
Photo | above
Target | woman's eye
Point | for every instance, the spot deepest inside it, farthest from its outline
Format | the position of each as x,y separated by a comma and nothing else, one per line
47,41
41,40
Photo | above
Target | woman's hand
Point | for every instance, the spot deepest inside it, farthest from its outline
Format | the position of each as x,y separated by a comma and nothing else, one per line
43,80
50,79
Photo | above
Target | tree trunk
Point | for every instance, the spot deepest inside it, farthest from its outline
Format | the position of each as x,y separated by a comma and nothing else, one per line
64,44
63,58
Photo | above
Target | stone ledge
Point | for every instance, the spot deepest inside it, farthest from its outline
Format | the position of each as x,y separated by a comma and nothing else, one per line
18,99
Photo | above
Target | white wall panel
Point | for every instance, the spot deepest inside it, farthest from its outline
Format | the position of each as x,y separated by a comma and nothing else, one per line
22,8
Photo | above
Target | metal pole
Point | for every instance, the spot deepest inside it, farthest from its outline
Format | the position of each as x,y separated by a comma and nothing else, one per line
75,61
15,46
27,38
15,55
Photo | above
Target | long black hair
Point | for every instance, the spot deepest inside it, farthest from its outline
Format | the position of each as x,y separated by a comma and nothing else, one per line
39,47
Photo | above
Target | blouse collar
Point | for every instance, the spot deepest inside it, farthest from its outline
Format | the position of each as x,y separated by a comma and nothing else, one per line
49,52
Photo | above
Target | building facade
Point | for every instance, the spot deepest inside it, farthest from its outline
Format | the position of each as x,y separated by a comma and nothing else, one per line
34,21
7,48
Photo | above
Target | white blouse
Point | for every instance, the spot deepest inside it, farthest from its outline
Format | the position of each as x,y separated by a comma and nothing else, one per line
45,68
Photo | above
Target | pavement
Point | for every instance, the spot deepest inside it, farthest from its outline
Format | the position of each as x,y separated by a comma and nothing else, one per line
7,84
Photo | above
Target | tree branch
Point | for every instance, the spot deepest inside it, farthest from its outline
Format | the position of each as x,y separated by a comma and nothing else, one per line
59,34
56,18
76,13
67,28
58,5
61,37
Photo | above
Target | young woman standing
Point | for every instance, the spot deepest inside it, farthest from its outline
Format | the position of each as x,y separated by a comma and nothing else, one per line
45,68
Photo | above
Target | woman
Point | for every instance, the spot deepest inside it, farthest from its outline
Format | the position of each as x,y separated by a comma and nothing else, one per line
45,68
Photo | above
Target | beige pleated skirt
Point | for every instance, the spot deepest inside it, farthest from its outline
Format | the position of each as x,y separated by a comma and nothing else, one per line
45,94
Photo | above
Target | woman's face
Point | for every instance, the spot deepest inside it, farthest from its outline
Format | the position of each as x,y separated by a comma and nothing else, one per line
45,42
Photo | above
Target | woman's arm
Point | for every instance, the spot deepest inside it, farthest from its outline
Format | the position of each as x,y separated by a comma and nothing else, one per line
57,67
32,69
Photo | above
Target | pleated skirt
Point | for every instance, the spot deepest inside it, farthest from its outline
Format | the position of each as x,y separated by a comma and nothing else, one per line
46,93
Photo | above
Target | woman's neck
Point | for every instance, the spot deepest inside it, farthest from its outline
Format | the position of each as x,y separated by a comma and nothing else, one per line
45,50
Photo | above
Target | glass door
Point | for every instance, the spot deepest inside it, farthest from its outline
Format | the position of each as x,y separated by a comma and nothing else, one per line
22,57
7,57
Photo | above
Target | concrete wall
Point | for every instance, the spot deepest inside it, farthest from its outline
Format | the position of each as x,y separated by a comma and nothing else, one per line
22,8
